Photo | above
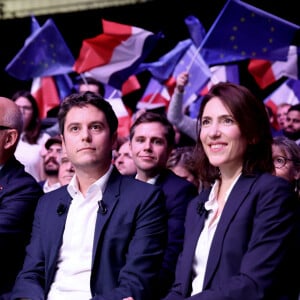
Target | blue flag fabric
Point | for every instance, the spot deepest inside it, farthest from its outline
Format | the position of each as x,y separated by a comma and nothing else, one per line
199,74
44,53
162,69
34,25
242,31
196,30
64,85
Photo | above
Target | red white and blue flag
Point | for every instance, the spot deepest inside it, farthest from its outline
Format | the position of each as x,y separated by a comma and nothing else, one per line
114,55
156,95
266,72
288,92
50,91
222,73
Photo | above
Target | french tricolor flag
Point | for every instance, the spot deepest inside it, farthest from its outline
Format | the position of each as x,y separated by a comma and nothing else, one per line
267,72
45,92
156,95
114,55
123,115
288,92
222,73
50,91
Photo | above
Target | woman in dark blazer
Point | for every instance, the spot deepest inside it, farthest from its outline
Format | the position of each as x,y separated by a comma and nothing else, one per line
240,233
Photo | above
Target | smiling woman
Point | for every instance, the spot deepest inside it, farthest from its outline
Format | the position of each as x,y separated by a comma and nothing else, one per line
243,234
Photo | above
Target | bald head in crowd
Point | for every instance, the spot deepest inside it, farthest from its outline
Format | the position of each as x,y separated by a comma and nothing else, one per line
11,124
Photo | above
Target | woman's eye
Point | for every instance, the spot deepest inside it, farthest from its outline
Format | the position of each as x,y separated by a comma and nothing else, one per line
228,121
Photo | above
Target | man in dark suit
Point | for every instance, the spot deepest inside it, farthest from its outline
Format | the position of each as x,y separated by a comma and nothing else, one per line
102,236
152,139
19,193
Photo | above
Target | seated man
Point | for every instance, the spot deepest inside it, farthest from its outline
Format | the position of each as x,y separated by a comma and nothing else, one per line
19,193
102,236
152,139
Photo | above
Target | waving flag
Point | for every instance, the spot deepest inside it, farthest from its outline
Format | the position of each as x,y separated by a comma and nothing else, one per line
222,73
49,91
242,31
266,72
199,74
132,84
288,92
44,53
114,55
156,95
163,68
124,118
196,30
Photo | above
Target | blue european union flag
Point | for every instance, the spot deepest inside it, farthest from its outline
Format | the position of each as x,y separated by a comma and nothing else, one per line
199,74
44,53
242,31
162,69
196,29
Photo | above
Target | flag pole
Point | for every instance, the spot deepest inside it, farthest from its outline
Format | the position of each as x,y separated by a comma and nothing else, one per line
83,79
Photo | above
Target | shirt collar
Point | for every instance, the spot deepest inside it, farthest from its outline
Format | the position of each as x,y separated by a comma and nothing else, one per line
99,184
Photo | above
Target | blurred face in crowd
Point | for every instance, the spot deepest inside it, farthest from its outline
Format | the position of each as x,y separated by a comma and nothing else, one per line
66,170
292,128
89,87
282,114
124,161
183,172
26,110
52,158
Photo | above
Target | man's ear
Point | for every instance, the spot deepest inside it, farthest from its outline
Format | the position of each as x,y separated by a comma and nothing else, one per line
11,138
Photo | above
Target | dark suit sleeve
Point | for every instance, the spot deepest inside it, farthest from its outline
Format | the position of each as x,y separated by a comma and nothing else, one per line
252,249
179,193
19,194
31,280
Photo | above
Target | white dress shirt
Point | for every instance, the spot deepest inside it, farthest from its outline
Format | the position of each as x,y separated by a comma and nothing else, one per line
72,279
206,237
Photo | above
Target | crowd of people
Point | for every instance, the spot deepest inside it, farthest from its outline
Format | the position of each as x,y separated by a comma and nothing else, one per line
86,214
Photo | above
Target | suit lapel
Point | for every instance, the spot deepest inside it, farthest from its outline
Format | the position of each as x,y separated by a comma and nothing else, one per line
234,201
110,199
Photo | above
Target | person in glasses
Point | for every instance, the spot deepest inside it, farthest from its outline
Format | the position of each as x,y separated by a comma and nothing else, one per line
19,193
286,160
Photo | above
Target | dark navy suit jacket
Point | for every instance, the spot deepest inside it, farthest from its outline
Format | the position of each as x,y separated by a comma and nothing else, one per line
128,246
19,193
252,255
178,193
